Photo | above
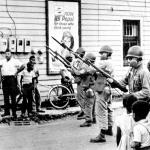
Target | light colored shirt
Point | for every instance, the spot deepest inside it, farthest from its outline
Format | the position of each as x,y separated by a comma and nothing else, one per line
126,123
10,67
27,76
35,68
141,132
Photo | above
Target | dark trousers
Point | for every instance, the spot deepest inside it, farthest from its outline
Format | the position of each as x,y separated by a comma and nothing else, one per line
27,98
37,98
9,86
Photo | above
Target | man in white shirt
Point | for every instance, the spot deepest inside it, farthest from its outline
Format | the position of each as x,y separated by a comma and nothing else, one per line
9,68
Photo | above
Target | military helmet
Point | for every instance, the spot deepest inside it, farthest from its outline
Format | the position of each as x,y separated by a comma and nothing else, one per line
135,51
80,50
106,48
90,56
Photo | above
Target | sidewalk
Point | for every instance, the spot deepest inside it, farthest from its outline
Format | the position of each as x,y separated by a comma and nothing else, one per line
51,114
73,110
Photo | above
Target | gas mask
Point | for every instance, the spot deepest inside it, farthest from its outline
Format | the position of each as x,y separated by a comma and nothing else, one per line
103,57
134,63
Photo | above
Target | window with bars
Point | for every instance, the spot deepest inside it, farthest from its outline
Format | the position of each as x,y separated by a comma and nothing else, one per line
131,36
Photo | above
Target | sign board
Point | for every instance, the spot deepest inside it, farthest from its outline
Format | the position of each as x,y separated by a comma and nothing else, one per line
63,24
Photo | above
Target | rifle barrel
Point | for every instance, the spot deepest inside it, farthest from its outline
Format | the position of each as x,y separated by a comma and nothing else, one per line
58,55
62,61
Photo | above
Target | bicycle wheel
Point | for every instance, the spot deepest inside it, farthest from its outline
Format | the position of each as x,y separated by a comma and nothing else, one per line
59,96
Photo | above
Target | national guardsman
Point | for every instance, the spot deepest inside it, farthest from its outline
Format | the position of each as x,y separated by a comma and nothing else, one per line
87,83
75,69
103,96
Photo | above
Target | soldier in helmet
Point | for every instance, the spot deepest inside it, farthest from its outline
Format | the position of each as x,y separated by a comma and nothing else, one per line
87,82
137,79
75,68
103,95
66,77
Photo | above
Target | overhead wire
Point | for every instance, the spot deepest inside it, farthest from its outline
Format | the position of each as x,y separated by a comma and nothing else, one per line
10,17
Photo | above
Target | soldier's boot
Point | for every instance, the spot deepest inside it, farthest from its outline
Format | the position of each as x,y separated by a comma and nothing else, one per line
109,131
81,116
100,138
86,124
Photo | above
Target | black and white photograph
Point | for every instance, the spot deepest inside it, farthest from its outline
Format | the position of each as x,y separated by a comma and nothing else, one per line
74,74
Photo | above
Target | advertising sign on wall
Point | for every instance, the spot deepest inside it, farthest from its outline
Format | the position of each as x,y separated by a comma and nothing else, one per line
63,24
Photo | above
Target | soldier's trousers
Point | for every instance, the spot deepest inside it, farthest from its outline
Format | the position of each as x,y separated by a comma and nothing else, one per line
101,111
89,108
81,97
110,117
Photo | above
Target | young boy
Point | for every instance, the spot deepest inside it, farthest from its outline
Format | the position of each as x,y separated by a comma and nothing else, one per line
141,131
124,124
28,81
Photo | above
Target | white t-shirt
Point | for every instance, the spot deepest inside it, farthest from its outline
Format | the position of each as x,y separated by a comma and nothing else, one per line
10,67
126,123
35,68
141,132
27,76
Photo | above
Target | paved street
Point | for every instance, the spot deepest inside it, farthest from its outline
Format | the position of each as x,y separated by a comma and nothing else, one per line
62,134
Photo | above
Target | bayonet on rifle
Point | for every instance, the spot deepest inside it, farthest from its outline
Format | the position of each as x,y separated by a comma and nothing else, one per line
61,59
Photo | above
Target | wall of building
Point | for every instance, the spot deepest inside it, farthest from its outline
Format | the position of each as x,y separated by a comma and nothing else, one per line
101,23
29,17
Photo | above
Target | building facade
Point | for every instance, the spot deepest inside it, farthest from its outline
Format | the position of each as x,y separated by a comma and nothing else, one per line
118,23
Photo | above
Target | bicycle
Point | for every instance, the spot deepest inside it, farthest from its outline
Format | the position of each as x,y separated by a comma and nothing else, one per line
60,95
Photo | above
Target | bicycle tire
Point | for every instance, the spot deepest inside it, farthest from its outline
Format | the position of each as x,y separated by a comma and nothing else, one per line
59,96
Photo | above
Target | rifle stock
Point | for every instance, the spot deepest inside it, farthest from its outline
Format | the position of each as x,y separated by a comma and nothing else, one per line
115,83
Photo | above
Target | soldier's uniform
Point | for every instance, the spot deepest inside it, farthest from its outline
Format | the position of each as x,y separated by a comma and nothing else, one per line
76,67
137,78
103,98
87,83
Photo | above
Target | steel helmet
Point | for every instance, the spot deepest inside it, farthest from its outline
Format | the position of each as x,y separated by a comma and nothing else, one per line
90,56
135,51
80,50
106,48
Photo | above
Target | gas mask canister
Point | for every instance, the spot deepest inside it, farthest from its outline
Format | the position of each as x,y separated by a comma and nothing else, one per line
103,57
133,63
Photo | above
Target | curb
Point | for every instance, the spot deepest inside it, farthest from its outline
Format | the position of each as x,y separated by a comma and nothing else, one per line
72,111
49,115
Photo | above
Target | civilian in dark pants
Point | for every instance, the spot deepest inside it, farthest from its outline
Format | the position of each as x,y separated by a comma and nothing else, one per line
37,93
9,85
28,87
9,69
27,99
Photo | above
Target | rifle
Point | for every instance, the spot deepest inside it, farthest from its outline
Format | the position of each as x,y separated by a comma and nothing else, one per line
61,59
115,83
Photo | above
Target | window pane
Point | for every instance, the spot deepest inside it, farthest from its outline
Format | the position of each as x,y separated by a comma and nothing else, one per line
131,36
